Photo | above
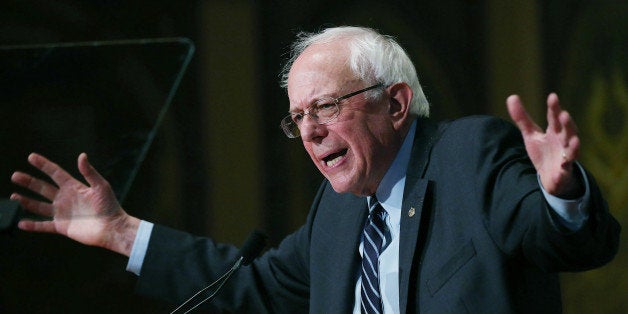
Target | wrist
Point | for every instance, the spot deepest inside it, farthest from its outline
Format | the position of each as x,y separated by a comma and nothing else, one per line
574,187
122,235
571,185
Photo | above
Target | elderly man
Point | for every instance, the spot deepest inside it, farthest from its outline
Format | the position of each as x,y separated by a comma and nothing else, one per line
463,216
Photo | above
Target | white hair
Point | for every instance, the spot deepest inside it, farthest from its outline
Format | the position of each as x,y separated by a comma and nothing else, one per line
373,58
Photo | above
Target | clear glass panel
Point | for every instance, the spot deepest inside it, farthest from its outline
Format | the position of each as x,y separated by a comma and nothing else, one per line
103,98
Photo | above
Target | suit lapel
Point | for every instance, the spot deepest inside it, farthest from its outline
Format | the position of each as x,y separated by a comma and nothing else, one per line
412,210
336,270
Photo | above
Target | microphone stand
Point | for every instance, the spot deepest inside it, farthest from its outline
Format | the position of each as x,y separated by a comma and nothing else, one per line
220,282
249,251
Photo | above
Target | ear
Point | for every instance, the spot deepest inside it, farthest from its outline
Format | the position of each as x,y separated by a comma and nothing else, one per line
400,96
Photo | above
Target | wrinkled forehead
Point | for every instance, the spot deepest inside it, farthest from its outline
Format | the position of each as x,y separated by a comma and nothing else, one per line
322,70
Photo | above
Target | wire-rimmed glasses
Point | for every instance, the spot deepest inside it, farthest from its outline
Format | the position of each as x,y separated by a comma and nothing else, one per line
323,111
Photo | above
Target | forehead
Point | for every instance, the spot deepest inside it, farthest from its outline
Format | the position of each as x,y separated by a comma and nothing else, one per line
322,70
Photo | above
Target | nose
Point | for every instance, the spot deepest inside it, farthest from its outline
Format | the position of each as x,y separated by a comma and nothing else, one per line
311,130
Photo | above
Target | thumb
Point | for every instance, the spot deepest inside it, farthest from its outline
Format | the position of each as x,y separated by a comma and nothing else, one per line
89,172
520,116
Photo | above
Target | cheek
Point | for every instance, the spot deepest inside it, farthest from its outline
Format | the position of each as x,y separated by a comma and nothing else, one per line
308,149
374,149
370,139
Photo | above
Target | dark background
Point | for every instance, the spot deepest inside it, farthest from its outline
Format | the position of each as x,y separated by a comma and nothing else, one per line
220,138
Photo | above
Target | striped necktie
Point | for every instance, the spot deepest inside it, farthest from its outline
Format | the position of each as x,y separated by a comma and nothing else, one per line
375,238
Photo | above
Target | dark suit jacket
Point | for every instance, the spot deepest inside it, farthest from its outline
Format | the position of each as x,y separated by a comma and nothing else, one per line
481,240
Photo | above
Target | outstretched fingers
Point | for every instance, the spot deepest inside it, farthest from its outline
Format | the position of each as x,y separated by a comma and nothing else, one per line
38,186
553,114
37,226
56,173
569,137
561,125
520,116
34,206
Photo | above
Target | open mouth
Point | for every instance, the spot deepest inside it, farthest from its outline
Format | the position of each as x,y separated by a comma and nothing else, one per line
332,159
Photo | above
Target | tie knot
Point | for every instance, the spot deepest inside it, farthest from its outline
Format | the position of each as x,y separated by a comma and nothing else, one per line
377,217
376,209
374,204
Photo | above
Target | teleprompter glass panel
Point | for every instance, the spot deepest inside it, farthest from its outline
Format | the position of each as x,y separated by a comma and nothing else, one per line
103,98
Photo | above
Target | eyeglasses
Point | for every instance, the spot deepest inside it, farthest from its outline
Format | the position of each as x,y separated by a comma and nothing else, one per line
324,111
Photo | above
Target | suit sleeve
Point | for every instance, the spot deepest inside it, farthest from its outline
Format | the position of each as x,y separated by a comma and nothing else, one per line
178,264
519,218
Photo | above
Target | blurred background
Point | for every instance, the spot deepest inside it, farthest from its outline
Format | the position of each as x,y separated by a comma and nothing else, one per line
220,139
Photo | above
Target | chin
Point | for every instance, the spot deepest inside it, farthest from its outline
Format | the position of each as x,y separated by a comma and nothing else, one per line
344,187
340,187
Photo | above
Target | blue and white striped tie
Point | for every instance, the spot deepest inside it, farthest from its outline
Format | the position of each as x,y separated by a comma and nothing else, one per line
375,238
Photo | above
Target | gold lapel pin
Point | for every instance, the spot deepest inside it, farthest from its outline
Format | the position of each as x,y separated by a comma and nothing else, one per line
411,212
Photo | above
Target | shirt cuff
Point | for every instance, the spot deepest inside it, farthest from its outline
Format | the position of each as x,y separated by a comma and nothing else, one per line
572,214
140,245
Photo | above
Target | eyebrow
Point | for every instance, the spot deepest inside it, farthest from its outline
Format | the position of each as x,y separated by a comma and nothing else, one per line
314,101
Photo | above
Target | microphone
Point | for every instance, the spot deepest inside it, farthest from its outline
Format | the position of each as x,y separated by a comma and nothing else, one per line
251,248
253,245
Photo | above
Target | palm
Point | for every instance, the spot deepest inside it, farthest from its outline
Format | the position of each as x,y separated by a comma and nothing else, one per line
82,213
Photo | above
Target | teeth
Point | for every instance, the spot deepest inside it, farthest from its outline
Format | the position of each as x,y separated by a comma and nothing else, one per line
334,161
